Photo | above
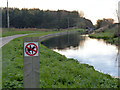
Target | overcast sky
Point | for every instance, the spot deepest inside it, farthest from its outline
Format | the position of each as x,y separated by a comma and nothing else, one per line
93,9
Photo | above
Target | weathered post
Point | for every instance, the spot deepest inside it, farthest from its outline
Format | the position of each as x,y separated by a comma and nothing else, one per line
31,62
119,42
8,22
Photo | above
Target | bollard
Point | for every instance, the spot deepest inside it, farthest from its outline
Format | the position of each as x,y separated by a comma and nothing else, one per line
31,62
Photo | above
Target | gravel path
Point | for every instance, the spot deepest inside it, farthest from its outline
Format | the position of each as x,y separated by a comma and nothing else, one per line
5,40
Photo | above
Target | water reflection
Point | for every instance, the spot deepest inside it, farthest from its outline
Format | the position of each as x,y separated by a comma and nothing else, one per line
64,41
90,51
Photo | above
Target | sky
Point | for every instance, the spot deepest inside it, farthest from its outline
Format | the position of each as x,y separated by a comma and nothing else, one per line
93,9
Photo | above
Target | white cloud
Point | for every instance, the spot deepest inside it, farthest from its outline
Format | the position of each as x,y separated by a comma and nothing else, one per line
93,9
119,11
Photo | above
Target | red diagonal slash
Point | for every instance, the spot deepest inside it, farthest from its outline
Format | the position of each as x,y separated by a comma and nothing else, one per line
31,49
26,47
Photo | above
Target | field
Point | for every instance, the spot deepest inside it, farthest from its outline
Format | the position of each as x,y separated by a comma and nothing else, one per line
56,71
14,31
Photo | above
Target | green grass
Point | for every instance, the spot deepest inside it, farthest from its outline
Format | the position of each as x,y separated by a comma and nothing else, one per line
107,35
56,71
14,31
0,69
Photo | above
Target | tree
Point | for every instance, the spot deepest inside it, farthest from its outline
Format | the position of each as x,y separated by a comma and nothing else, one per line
104,22
81,14
36,18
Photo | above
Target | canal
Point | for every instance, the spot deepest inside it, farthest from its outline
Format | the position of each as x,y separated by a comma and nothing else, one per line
95,52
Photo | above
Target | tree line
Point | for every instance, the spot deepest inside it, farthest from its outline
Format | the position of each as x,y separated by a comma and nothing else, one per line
36,18
104,22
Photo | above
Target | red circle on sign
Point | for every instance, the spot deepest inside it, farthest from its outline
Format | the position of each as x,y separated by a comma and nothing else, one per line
26,47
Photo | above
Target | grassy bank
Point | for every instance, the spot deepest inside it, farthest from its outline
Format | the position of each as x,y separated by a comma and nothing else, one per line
56,71
107,35
14,31
0,69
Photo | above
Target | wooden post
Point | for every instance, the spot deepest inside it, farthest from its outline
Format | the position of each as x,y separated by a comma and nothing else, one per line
31,62
8,22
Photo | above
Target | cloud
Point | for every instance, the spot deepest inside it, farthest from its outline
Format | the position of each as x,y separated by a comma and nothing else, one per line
119,10
93,9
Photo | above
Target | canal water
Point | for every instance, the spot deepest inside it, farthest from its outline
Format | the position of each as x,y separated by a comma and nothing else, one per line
95,52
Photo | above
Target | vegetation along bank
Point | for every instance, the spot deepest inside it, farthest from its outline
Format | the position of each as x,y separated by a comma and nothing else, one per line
110,34
56,71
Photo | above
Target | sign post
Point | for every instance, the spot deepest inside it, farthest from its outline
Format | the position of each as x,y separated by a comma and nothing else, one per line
31,62
119,42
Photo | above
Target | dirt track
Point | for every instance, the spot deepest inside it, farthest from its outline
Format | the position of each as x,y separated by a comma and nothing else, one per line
5,40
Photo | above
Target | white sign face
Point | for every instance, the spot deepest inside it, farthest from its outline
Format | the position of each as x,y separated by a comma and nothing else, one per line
31,49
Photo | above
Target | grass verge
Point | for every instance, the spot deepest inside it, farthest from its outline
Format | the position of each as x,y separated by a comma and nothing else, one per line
14,31
107,35
56,71
0,68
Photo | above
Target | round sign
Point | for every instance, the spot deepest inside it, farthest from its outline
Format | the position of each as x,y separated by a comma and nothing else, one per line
31,49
